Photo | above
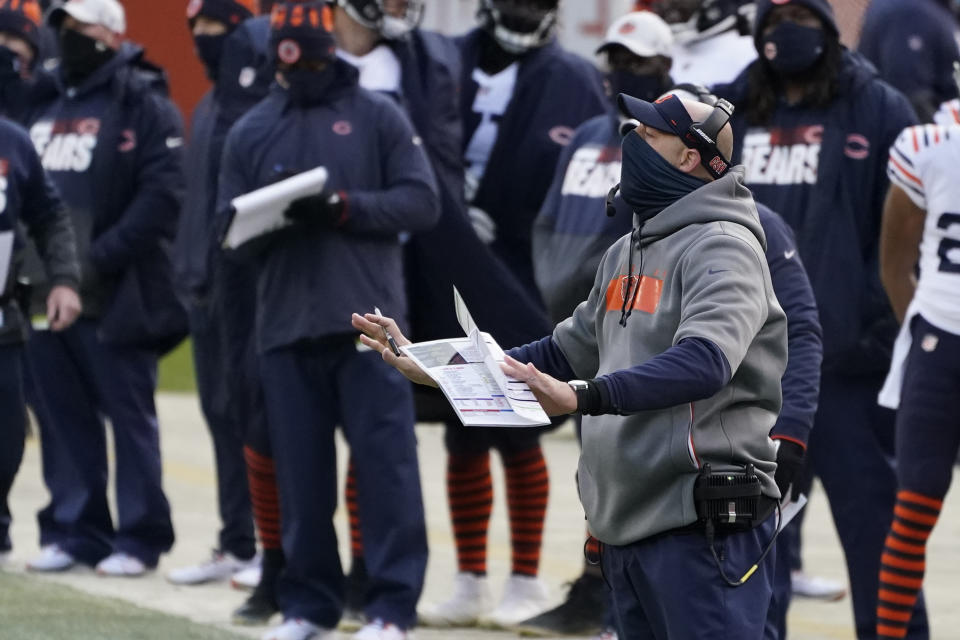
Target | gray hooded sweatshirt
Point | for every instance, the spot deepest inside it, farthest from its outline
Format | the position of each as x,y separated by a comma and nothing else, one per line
704,276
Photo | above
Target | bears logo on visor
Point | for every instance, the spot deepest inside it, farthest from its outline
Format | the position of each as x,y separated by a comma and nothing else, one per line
289,51
194,8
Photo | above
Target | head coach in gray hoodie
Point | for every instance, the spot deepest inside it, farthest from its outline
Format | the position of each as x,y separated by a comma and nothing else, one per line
675,359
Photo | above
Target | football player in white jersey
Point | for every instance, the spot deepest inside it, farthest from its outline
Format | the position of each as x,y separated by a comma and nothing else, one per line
921,226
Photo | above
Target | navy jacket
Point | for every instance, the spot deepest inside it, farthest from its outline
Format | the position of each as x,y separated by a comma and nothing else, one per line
245,75
556,92
28,199
833,201
451,254
801,380
913,47
311,279
113,147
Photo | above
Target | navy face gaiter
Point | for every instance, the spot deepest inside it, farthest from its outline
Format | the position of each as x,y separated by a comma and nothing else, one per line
307,88
792,48
648,183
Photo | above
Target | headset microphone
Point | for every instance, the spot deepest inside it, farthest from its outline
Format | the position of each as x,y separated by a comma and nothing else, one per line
612,210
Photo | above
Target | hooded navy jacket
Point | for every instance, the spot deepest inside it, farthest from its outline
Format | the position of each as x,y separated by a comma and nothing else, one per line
451,254
28,199
912,45
824,172
113,147
556,91
311,279
244,78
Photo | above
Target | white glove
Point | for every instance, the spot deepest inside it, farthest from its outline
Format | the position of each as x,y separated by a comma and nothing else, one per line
483,225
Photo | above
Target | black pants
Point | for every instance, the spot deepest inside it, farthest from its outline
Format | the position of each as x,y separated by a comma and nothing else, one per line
12,430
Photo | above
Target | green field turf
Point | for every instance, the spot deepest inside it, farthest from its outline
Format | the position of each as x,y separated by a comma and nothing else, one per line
176,370
35,609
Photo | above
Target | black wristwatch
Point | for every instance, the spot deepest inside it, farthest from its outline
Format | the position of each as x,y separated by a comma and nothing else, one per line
581,388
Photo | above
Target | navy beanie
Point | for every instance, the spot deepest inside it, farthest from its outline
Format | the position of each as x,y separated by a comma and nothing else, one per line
22,19
229,12
820,7
302,31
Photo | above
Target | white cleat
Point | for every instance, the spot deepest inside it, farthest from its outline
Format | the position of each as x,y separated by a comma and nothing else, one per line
378,630
471,599
246,579
523,598
298,629
805,586
121,565
220,566
51,558
606,634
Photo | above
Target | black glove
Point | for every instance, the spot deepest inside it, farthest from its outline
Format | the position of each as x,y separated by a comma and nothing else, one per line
791,459
327,209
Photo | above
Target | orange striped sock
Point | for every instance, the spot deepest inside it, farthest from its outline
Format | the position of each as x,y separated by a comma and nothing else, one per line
470,494
904,561
528,487
264,496
353,511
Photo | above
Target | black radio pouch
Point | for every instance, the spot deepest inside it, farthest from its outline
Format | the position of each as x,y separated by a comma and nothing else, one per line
728,499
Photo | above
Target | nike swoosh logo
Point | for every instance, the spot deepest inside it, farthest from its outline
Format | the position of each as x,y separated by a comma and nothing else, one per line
715,271
789,254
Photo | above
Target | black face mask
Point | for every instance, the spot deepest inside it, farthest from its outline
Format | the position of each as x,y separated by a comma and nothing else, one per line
81,55
13,93
645,87
210,51
9,64
648,183
791,49
307,88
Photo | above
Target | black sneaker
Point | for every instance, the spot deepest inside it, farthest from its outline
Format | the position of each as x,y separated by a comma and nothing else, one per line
257,610
262,603
581,614
355,598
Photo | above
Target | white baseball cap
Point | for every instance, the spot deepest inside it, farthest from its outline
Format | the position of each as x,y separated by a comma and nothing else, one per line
106,13
644,33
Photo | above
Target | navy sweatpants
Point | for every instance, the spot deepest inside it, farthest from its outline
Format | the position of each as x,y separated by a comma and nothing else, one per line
13,426
310,388
851,449
223,363
78,381
669,586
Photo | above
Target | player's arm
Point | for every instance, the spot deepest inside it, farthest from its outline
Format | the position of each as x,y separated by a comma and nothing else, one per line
900,237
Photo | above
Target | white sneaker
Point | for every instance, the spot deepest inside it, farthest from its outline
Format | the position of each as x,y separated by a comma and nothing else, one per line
817,588
470,600
298,629
523,598
120,564
377,630
220,566
51,558
246,579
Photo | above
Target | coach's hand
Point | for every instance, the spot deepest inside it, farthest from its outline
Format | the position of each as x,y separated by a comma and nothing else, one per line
63,307
373,334
556,397
791,458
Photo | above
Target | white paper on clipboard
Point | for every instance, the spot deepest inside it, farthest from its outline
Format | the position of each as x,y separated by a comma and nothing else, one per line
261,211
6,256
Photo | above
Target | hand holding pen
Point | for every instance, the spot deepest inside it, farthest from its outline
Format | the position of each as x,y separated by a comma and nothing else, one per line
383,336
390,340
